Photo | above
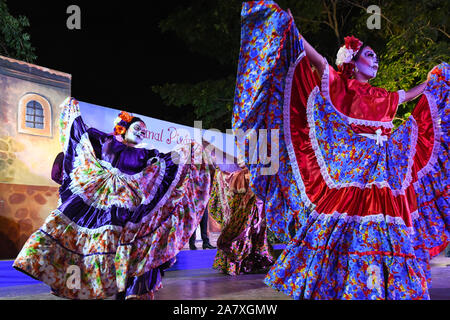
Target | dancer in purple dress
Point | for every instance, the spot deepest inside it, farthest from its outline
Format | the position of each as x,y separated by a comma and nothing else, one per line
124,213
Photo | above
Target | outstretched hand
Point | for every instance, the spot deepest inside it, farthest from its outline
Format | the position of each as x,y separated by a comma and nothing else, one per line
430,73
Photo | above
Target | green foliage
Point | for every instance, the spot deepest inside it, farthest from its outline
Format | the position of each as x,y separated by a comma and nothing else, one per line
14,41
212,99
271,238
209,27
418,42
414,37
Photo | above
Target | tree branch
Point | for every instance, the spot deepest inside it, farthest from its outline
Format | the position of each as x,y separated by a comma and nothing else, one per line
335,20
442,31
4,48
365,9
331,23
311,20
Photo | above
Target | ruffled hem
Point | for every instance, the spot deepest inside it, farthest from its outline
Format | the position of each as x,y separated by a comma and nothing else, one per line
341,258
69,274
323,166
165,231
437,137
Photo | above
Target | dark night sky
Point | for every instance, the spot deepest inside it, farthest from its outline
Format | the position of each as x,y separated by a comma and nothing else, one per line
118,54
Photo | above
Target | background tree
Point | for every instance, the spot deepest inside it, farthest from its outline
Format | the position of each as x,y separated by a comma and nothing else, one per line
414,37
211,29
14,41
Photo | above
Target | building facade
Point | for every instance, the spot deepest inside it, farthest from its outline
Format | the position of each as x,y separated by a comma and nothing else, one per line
30,96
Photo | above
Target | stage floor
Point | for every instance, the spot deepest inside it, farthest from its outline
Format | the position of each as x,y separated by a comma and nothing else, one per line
209,284
192,278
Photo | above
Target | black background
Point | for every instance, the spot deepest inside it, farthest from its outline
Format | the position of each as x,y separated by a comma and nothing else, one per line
118,54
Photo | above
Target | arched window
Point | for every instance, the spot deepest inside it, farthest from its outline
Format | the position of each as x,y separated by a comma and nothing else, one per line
34,115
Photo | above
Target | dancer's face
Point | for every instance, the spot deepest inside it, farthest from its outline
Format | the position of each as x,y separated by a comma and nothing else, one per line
367,64
135,133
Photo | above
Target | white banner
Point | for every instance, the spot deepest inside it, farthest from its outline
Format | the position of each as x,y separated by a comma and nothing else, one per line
161,135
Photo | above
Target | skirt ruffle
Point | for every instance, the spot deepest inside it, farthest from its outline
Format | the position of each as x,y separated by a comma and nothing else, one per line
337,257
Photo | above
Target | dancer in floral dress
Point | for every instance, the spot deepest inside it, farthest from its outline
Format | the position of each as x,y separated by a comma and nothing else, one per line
363,207
124,212
242,244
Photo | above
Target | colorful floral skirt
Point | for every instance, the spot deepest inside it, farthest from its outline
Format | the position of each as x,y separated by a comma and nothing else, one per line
361,220
242,244
114,230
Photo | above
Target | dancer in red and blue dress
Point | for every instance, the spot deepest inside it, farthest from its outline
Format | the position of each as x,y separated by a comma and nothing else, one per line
125,212
362,207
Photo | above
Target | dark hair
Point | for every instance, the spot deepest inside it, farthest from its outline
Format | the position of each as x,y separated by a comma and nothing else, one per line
135,119
358,54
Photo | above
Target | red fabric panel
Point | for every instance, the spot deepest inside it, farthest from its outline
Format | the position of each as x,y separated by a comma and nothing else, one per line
352,200
360,100
425,140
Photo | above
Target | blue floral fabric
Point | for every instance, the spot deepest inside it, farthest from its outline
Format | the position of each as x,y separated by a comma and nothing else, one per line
336,255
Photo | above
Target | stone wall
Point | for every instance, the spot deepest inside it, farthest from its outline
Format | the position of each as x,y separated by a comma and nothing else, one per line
23,210
7,158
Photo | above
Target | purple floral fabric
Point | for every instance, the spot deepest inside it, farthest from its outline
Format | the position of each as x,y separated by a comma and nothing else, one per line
124,213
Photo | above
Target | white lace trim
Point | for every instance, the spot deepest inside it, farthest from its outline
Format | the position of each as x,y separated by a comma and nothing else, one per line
323,167
437,137
79,228
415,215
287,131
362,219
325,88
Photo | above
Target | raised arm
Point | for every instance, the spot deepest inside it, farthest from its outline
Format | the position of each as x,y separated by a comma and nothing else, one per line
417,90
414,92
316,59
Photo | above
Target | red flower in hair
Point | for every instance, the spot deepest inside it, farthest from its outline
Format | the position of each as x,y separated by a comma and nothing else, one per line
353,43
119,130
125,116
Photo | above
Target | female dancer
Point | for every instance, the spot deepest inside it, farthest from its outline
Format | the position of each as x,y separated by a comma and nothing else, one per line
363,207
124,212
242,244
